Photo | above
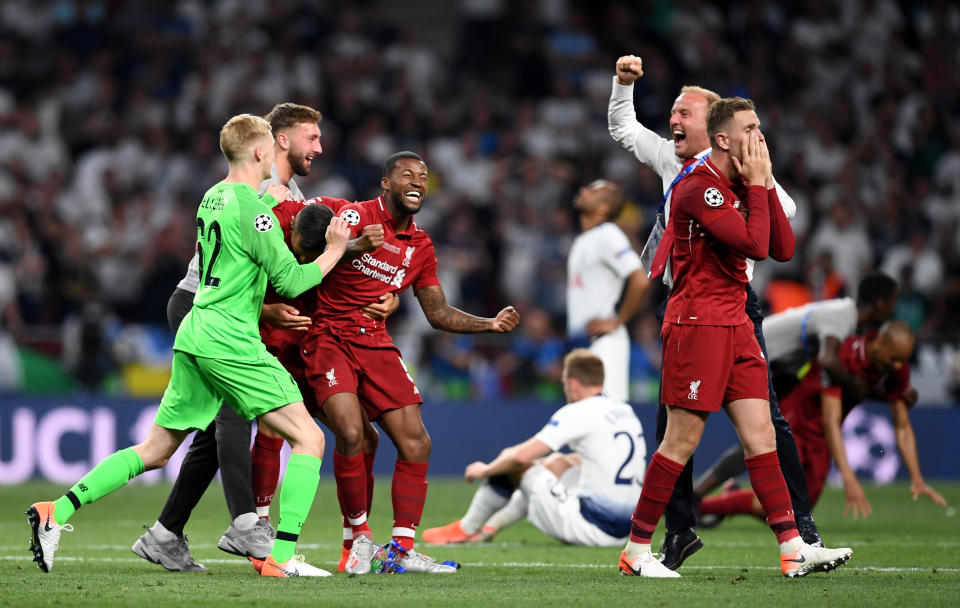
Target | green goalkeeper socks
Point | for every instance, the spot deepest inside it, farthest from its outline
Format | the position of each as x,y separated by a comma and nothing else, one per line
111,474
296,497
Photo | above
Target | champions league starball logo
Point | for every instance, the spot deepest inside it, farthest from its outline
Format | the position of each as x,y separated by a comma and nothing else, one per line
871,447
263,223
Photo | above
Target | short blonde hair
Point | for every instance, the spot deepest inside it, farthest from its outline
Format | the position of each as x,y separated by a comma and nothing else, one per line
240,133
584,366
707,94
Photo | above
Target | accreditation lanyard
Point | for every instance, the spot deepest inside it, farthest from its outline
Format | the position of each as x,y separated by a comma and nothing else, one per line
686,171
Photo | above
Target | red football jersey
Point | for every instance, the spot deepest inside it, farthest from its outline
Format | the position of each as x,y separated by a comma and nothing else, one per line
275,338
853,355
802,405
709,278
406,259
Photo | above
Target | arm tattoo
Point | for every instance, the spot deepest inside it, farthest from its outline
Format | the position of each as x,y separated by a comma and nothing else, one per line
443,316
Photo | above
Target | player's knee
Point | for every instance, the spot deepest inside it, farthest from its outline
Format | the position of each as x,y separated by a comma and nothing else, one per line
310,441
760,440
416,449
350,439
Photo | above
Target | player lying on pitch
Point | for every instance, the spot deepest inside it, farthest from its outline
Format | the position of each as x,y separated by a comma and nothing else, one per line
817,407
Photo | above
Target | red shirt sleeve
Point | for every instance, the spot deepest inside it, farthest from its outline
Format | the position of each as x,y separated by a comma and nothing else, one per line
286,211
711,209
334,203
781,233
428,270
898,382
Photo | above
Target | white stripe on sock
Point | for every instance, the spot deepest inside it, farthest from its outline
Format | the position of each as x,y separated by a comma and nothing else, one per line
404,532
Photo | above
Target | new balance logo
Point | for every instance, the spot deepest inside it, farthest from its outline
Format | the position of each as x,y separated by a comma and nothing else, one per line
331,379
694,387
82,487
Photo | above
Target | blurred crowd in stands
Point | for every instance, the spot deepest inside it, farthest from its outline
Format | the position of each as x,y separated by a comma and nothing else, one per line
109,114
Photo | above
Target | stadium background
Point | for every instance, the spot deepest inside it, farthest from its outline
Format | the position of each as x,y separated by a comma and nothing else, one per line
109,113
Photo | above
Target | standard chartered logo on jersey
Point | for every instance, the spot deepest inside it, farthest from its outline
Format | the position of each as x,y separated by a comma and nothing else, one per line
380,270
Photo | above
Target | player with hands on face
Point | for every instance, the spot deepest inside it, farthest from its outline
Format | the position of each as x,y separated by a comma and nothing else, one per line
673,159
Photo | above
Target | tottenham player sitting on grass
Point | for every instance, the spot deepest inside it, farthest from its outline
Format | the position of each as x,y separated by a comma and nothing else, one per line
816,410
582,498
798,338
218,354
711,357
672,160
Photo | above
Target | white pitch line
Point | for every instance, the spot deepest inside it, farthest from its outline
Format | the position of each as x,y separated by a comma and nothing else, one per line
506,564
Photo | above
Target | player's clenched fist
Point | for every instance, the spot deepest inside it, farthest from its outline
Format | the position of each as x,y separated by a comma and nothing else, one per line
338,233
281,193
372,237
506,320
629,68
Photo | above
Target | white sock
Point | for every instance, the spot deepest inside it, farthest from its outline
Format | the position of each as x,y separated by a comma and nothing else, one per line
161,532
486,501
635,550
514,511
245,521
791,546
263,512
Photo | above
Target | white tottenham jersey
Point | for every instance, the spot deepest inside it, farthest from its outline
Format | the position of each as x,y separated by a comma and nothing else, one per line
191,281
785,333
658,153
607,436
599,263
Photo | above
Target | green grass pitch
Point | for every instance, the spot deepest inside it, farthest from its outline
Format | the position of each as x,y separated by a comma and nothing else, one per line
906,554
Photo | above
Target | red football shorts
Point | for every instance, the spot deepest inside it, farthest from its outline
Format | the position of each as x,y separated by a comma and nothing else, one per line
289,356
377,376
707,366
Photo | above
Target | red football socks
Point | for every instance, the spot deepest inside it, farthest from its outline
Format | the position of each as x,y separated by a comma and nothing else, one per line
658,485
368,465
352,491
409,491
265,462
731,502
771,490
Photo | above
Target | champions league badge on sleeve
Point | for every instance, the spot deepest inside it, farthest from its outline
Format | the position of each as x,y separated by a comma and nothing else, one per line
351,216
713,197
263,223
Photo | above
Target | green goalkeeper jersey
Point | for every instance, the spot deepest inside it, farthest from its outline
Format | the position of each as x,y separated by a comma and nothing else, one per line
240,245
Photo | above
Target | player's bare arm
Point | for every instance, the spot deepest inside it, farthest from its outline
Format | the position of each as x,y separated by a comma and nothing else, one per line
369,240
856,502
907,443
629,69
284,316
443,316
513,458
382,308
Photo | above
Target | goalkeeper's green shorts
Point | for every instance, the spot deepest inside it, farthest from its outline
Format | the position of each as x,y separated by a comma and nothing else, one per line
199,386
